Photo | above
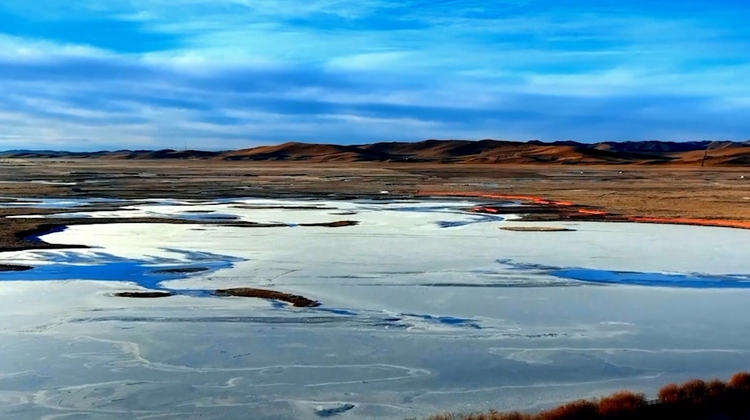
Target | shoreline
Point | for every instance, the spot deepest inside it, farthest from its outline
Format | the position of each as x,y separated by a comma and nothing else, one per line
643,191
560,211
24,233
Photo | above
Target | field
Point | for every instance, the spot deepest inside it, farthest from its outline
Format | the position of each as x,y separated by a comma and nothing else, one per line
631,190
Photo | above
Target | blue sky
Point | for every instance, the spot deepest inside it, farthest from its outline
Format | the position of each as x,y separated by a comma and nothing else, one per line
225,74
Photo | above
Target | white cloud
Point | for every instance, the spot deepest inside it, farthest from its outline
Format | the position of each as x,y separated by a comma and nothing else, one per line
16,48
334,70
372,61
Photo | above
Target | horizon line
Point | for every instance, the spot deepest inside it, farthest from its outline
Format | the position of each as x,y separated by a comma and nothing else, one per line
536,141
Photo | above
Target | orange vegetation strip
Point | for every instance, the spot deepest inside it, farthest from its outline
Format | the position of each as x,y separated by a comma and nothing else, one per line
530,198
597,212
738,224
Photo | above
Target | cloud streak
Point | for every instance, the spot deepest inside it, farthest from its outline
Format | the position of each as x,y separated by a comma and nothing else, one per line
237,73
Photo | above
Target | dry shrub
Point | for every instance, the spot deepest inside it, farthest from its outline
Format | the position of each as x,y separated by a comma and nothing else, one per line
696,391
494,415
670,393
694,399
491,415
716,389
513,416
479,416
740,381
621,402
577,410
446,416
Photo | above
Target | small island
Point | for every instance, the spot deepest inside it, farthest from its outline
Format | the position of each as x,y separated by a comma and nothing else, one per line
537,229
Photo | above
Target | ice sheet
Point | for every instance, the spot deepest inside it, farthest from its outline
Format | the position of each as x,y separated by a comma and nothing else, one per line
425,308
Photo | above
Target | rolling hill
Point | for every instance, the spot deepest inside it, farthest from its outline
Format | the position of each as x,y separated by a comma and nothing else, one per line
651,152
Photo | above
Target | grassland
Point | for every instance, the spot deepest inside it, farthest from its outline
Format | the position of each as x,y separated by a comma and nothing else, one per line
629,191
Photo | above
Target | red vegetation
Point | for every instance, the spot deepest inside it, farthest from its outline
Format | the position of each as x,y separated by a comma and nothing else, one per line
559,208
582,409
740,381
621,402
670,393
693,400
477,194
596,212
716,388
695,390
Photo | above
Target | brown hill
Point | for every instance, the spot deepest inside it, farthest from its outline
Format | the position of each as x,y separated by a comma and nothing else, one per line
451,151
305,151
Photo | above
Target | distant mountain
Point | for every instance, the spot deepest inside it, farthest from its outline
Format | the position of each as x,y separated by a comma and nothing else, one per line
724,153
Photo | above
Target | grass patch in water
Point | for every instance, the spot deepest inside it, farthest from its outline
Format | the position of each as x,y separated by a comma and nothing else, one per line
295,300
144,295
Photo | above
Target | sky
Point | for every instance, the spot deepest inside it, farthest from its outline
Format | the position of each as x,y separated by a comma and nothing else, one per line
228,74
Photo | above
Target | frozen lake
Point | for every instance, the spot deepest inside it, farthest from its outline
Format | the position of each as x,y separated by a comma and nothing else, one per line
424,308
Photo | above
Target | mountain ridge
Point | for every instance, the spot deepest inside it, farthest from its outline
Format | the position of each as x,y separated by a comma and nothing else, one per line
487,151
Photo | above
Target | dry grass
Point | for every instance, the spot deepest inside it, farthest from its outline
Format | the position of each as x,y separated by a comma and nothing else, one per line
338,223
143,295
693,400
11,267
581,409
536,229
295,300
643,191
621,402
648,194
181,270
492,415
740,381
670,393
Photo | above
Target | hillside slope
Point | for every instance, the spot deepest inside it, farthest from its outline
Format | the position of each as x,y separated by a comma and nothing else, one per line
450,151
